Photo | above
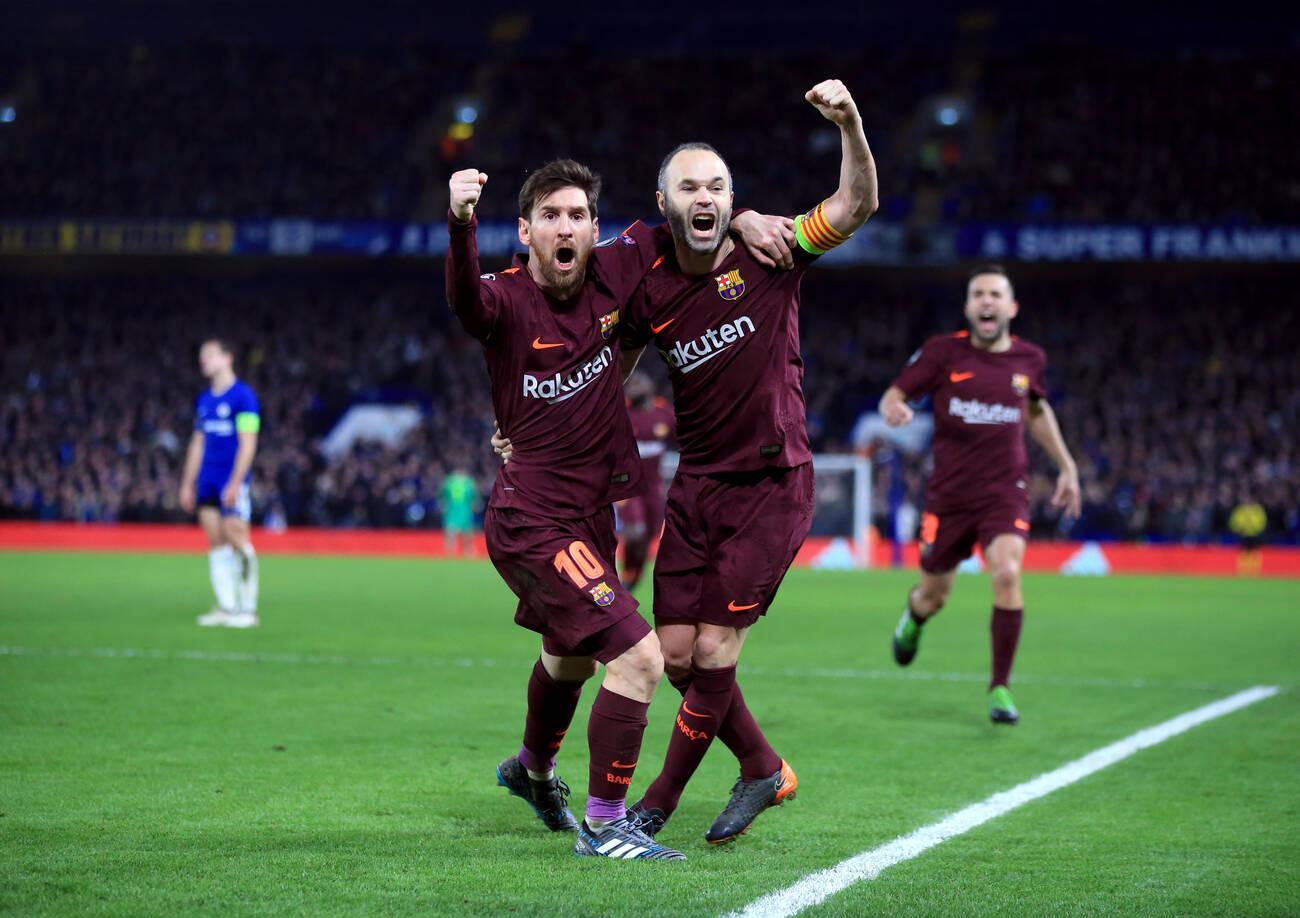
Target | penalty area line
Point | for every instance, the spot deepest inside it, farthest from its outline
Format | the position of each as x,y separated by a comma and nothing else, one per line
820,886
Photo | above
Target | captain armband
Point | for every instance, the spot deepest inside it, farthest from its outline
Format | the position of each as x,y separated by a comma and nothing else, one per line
248,422
814,233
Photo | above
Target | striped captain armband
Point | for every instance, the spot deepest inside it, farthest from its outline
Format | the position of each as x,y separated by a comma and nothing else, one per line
814,234
247,422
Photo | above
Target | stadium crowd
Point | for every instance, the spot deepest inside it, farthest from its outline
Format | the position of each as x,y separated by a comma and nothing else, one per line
97,387
1049,132
100,377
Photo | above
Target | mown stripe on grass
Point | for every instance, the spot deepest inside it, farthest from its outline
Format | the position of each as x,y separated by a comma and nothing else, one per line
794,672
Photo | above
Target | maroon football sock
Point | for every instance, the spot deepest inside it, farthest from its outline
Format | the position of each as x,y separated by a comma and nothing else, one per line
1005,628
614,737
551,704
703,709
744,738
741,734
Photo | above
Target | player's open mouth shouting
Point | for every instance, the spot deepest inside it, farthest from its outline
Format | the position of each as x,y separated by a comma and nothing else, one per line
566,258
988,323
704,224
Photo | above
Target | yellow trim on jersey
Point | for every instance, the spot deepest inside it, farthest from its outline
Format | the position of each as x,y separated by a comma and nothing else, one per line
814,232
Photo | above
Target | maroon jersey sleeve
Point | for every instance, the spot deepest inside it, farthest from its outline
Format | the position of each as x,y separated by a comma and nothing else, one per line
1038,378
478,307
923,372
623,260
635,328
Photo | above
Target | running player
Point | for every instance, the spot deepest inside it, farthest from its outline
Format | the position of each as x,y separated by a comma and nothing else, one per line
548,326
983,382
218,467
642,516
741,502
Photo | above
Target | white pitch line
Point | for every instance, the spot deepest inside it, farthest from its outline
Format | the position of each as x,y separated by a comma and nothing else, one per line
817,887
792,672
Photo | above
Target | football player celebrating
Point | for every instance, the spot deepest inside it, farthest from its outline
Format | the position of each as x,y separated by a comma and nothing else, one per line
548,326
741,502
987,387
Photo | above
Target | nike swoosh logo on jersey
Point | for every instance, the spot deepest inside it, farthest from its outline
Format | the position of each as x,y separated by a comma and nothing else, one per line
617,764
732,607
960,377
658,328
694,713
539,346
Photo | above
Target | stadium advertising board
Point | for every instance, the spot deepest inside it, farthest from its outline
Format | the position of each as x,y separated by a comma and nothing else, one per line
117,237
1126,242
876,243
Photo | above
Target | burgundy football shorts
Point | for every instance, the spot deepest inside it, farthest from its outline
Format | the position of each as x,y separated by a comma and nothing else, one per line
564,575
948,537
729,539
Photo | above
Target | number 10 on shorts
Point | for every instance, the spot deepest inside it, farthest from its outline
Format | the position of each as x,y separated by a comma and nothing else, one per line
578,563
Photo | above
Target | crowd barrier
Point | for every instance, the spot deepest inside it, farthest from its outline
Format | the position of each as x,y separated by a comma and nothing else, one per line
1070,558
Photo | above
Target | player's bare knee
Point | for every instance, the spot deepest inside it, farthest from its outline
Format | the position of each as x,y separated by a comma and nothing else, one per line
677,644
715,649
677,661
927,599
1006,577
641,665
236,534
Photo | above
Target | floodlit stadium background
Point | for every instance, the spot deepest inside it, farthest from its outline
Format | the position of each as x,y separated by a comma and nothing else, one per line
276,172
279,176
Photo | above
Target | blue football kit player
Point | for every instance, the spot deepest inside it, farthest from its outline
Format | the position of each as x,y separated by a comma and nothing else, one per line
218,467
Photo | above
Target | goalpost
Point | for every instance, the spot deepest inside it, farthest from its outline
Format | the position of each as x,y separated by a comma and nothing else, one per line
842,512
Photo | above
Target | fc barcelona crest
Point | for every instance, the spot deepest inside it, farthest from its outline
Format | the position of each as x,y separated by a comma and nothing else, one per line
608,323
731,286
601,594
1020,382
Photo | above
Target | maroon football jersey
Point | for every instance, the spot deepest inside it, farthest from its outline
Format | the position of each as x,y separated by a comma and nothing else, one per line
980,398
653,427
731,342
554,366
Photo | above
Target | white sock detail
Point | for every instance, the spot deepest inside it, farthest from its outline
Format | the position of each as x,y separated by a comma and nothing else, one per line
245,571
222,575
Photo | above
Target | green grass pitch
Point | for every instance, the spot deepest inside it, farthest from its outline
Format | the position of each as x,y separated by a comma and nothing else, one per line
340,759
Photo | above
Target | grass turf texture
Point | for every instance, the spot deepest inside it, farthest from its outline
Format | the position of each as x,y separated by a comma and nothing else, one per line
351,768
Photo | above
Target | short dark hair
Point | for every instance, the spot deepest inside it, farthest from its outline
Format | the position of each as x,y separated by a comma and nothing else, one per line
991,268
682,148
220,341
557,174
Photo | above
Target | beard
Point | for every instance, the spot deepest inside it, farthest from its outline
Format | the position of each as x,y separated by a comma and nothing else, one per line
1001,328
681,229
562,284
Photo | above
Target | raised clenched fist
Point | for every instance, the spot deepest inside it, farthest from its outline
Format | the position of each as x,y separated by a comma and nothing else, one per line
832,99
466,186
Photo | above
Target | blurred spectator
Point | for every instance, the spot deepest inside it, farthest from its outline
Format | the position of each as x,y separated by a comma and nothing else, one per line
1178,393
1044,132
99,379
